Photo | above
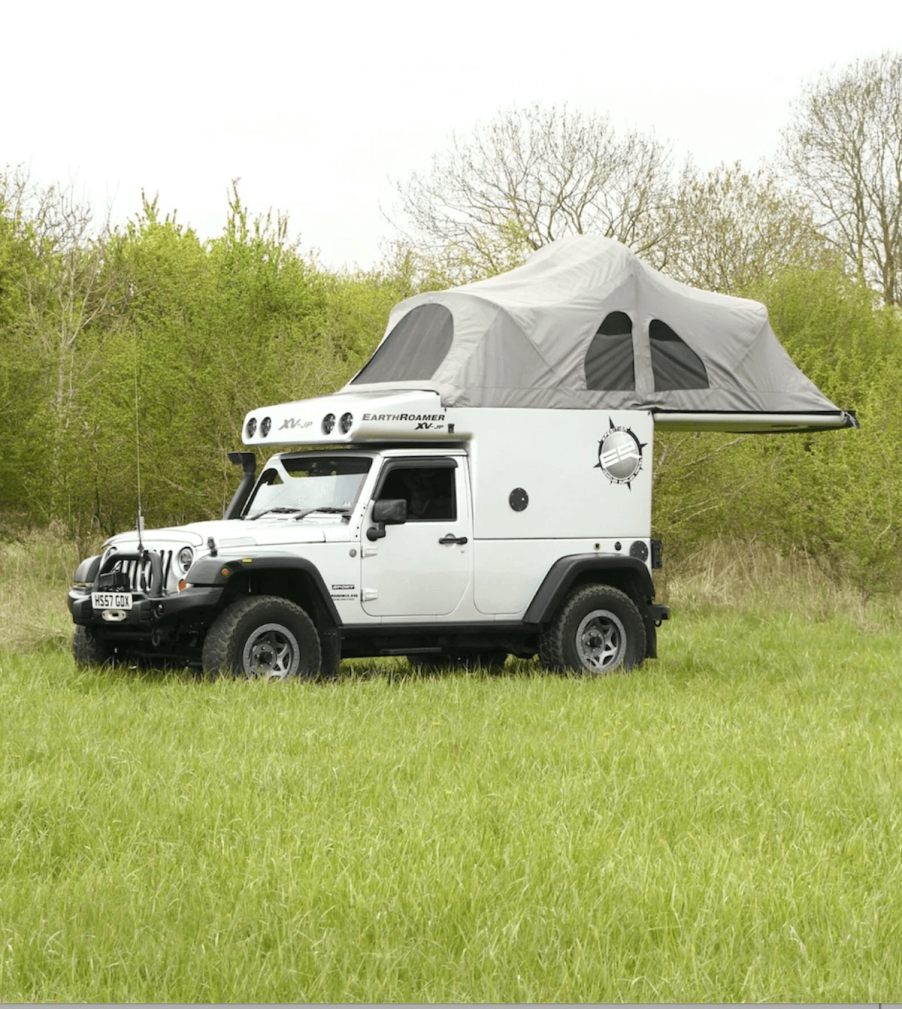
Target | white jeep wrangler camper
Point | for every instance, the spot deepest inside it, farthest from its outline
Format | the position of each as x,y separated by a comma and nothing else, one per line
482,487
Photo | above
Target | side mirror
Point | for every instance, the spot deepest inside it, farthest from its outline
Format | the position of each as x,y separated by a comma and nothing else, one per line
392,512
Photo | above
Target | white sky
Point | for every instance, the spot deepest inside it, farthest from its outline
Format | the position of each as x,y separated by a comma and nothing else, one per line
316,105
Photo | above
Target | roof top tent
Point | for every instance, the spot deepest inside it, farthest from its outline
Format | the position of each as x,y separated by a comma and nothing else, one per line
584,324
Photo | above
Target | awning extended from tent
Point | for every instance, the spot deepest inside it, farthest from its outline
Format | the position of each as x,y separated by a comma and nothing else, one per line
584,324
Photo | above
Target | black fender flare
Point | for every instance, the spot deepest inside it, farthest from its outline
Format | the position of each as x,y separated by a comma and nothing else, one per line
219,572
628,574
86,572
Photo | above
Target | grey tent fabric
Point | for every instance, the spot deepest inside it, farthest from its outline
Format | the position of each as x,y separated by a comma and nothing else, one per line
555,333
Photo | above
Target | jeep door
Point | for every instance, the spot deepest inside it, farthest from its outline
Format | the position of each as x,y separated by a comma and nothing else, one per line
420,567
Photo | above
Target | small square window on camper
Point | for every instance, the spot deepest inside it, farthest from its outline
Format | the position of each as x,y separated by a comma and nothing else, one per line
609,359
414,349
675,365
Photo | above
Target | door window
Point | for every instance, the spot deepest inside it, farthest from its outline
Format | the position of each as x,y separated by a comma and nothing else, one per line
427,489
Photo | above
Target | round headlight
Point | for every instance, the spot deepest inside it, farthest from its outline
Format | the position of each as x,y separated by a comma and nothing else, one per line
329,423
185,558
265,426
251,428
345,423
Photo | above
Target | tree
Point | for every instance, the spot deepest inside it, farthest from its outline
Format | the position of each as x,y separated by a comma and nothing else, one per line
12,247
733,228
844,150
71,289
57,285
528,177
19,373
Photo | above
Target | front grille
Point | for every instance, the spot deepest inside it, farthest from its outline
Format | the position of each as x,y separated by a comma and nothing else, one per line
140,573
114,581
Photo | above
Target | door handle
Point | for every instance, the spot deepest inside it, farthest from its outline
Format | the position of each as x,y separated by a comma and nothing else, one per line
451,538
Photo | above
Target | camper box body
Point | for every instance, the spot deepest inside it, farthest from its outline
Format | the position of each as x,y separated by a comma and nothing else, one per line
532,486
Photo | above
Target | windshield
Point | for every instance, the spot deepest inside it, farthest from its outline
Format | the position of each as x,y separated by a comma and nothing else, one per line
297,486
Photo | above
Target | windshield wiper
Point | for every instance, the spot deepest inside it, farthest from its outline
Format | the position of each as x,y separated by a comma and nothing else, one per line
278,511
327,509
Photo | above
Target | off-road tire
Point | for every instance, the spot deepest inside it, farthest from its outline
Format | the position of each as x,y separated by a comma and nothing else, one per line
89,648
596,630
263,637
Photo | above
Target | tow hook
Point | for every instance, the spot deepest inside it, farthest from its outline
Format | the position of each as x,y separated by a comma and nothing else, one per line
659,613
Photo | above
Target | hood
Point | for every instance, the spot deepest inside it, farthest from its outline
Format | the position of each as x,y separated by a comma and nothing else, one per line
225,533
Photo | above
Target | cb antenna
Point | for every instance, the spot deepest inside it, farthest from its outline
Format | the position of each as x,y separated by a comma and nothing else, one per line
138,450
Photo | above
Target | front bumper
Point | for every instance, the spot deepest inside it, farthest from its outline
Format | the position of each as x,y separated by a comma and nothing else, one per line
195,605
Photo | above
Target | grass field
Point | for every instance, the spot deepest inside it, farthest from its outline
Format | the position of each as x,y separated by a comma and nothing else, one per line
722,825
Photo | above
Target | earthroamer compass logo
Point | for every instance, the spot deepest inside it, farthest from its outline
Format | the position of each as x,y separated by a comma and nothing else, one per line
620,455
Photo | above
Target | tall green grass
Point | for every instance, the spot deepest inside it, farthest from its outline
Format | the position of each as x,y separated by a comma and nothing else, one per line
36,570
722,825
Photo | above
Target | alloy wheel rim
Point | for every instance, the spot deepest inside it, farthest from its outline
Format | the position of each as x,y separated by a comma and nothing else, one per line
601,641
271,653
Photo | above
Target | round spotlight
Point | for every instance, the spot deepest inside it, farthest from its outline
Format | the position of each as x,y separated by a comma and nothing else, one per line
265,426
329,423
251,428
345,423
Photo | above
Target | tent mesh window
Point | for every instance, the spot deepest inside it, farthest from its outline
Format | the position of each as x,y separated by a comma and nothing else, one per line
414,349
609,359
674,364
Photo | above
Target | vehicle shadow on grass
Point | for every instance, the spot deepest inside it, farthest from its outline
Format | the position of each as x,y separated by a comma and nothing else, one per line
352,670
401,670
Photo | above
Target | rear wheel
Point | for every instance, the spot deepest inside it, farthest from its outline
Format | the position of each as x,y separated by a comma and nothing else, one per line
263,637
597,630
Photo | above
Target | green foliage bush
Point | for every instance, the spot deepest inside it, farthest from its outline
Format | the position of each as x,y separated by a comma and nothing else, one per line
832,495
183,338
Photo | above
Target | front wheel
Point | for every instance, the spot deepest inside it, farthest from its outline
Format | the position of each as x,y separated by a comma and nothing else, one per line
263,637
597,630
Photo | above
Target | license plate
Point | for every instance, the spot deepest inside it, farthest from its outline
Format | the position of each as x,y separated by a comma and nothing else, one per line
111,600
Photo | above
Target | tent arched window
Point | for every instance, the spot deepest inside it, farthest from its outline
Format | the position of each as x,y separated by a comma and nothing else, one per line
414,349
609,360
674,364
